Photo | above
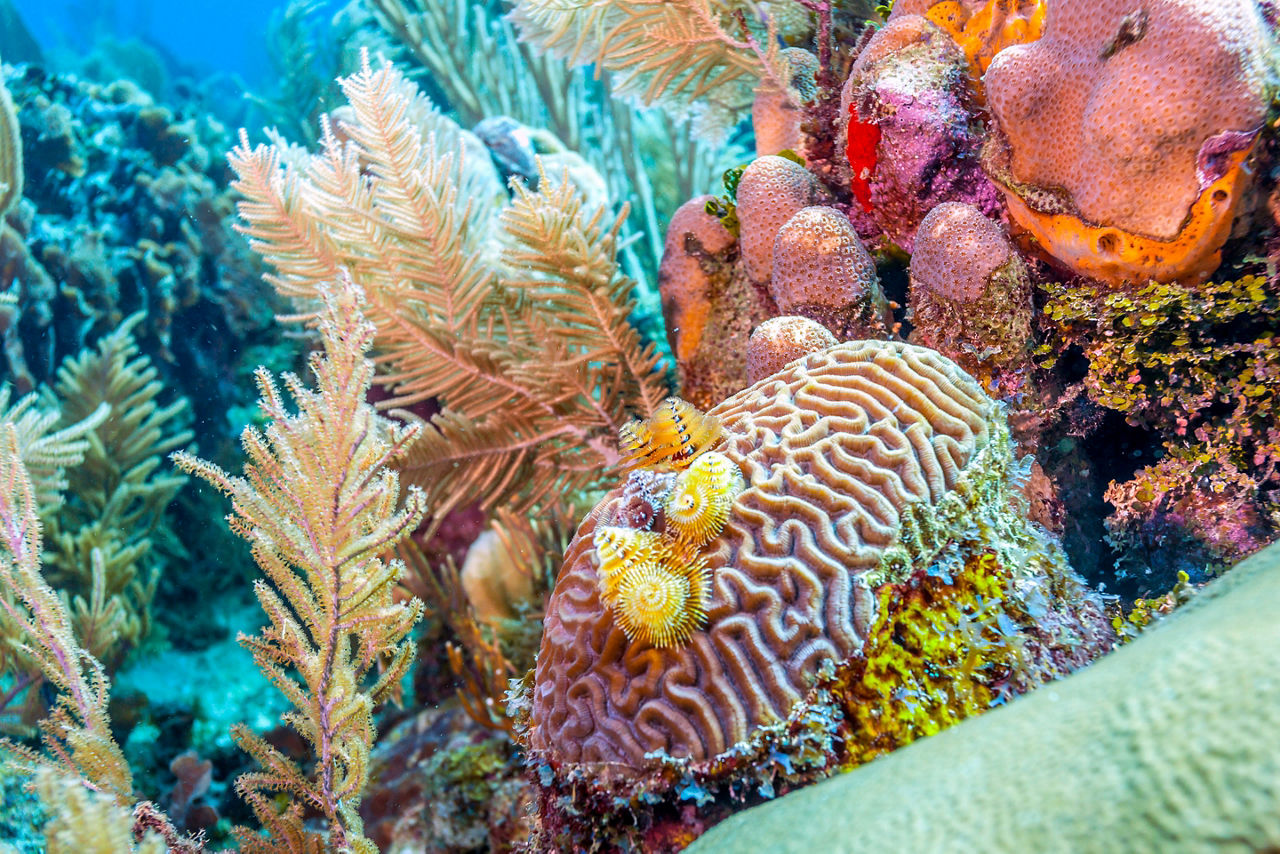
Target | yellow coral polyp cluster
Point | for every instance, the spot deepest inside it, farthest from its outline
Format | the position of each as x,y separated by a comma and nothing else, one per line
698,505
662,605
620,550
655,582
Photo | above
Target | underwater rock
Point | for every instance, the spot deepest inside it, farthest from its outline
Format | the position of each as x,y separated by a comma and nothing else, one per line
912,135
1125,132
1162,746
877,508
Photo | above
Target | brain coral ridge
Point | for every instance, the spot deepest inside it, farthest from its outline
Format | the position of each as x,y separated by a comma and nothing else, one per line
847,455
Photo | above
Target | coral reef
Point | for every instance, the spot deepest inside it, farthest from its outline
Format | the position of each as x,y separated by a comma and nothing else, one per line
1197,365
1124,132
913,136
970,296
867,466
127,209
1152,749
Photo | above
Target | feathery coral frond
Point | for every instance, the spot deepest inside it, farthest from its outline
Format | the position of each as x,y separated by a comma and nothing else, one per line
532,359
77,731
320,504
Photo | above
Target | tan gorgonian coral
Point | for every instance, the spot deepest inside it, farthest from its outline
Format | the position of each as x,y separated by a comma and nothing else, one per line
531,356
676,53
840,452
85,822
101,539
36,624
321,504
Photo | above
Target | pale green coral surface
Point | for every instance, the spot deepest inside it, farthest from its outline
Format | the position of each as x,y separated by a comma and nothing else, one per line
1167,745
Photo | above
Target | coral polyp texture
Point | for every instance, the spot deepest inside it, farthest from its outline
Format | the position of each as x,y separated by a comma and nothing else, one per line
1125,132
911,128
970,294
781,340
822,270
771,190
869,466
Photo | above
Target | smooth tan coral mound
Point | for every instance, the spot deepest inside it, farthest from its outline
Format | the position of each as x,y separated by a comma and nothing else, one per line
781,340
842,452
970,294
771,191
1123,115
822,270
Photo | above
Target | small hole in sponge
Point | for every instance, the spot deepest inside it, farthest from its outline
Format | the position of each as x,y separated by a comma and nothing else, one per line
1108,244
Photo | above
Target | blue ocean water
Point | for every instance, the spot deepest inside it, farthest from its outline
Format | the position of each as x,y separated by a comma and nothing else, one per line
199,36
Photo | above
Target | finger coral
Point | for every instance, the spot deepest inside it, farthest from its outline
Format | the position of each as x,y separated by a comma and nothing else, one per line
771,191
1125,130
868,466
970,295
822,270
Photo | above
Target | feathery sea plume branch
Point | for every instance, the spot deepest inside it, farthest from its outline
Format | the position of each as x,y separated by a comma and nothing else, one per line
320,503
531,359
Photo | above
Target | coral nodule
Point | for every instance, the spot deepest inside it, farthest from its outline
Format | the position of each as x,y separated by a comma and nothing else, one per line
876,502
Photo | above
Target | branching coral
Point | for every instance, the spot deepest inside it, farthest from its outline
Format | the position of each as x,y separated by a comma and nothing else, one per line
320,504
713,52
77,731
101,539
532,358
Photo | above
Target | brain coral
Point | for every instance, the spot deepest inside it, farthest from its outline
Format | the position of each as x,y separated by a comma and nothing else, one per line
822,270
839,451
1162,746
1120,119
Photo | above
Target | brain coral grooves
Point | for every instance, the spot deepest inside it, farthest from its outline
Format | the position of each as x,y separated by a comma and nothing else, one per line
840,452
